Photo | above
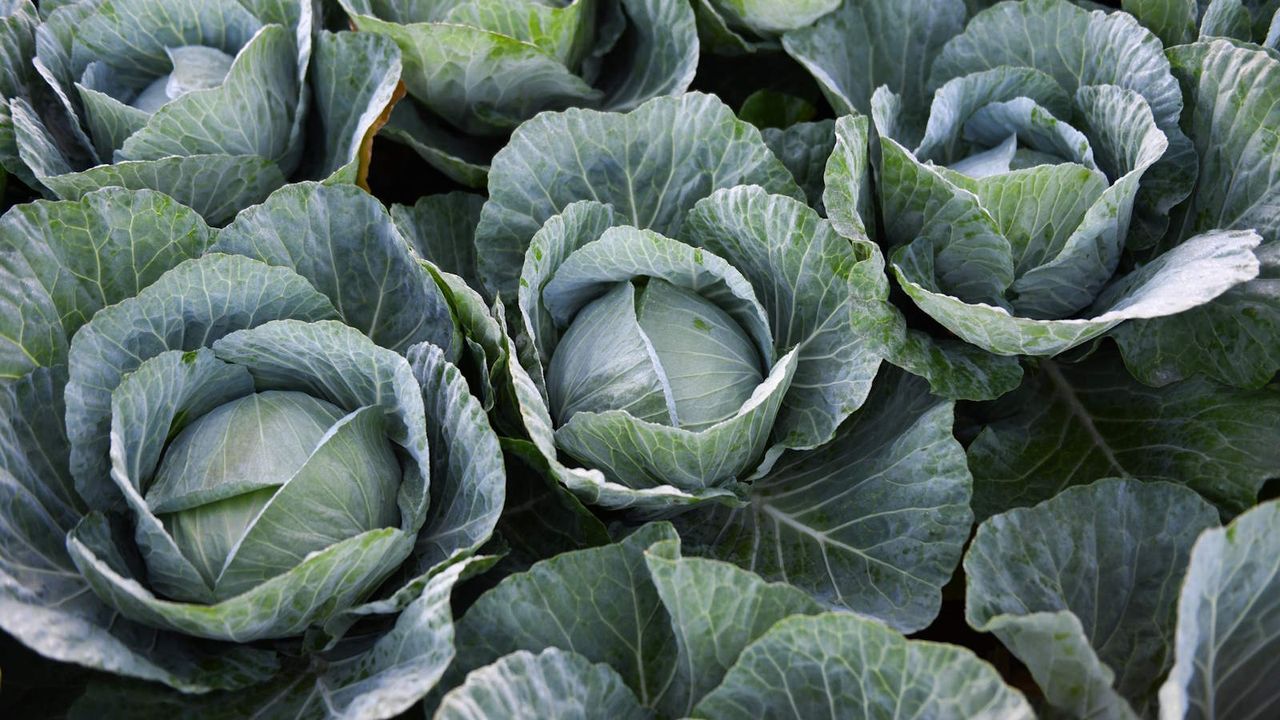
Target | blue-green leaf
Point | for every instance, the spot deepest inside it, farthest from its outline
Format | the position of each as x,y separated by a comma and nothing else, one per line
343,241
1228,623
652,164
807,666
1081,588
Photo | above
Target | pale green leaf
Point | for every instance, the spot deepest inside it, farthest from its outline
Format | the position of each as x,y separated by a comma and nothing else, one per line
518,79
216,186
772,17
468,482
1231,99
1174,21
280,607
1236,337
847,192
658,54
363,682
353,78
216,121
1188,276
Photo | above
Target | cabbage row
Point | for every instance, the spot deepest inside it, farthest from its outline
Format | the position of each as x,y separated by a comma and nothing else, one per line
640,359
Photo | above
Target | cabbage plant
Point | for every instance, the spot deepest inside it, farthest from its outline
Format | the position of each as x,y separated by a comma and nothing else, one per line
689,338
476,69
683,299
214,102
241,465
1014,193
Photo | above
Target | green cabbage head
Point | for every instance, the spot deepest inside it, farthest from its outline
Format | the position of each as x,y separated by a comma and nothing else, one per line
209,101
216,439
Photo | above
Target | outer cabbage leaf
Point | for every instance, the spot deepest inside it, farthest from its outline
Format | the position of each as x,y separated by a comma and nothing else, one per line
442,229
476,70
1237,334
873,521
1228,623
467,475
806,666
216,186
1173,21
735,27
369,680
553,683
1081,588
599,603
60,262
867,44
354,79
1178,22
652,165
765,17
668,626
518,78
1073,424
660,49
716,610
804,148
343,241
1189,276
